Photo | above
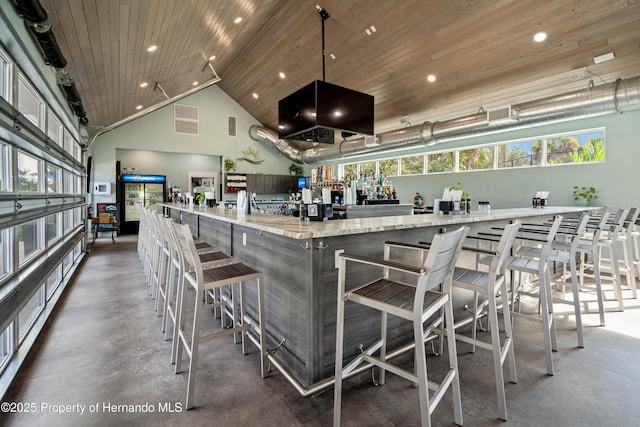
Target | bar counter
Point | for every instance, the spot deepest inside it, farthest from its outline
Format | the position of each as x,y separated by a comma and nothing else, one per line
295,228
300,276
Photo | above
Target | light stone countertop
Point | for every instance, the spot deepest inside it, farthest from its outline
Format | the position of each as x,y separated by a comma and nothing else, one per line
295,228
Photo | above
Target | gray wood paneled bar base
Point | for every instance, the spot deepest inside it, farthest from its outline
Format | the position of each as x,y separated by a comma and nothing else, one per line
297,259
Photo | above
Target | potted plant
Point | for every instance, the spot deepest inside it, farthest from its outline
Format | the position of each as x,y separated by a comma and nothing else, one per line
295,170
465,198
200,198
584,195
229,165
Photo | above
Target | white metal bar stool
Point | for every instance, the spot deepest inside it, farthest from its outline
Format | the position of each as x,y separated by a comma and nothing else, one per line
588,248
625,238
202,280
416,302
160,260
491,285
153,249
145,237
635,247
608,239
175,278
540,267
141,233
565,252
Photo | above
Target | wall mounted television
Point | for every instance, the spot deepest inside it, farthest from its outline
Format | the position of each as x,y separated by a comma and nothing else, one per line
315,112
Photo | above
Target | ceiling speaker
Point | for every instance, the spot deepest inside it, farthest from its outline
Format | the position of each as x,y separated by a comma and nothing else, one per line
578,74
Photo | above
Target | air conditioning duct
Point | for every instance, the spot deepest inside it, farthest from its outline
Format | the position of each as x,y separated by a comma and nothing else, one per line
501,115
616,97
371,141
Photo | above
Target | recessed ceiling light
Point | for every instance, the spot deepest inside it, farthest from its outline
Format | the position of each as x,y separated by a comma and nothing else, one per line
431,78
195,83
152,48
237,20
539,37
144,84
139,107
255,95
282,75
211,58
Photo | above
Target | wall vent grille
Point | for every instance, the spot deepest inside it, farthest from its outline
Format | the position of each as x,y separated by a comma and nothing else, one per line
185,119
371,141
501,115
232,126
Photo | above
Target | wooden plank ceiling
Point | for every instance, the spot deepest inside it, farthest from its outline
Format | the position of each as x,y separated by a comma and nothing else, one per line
481,52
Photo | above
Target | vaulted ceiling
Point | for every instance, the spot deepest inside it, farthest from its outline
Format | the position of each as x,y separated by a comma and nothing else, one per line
481,52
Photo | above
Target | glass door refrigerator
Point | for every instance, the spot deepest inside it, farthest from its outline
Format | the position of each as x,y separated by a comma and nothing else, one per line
147,190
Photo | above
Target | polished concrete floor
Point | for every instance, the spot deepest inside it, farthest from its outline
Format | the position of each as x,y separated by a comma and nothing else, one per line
103,350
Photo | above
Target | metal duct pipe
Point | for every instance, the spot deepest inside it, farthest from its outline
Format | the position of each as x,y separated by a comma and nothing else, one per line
619,96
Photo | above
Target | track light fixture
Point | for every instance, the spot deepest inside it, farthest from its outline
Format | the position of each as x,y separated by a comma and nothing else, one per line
158,87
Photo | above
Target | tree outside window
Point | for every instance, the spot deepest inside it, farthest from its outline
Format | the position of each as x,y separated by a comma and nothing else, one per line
476,159
368,169
388,167
521,154
27,173
413,165
441,162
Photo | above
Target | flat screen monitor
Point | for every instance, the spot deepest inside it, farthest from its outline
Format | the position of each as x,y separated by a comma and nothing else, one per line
315,112
302,183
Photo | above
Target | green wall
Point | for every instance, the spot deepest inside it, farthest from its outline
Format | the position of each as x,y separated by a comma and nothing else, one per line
615,179
154,133
170,164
